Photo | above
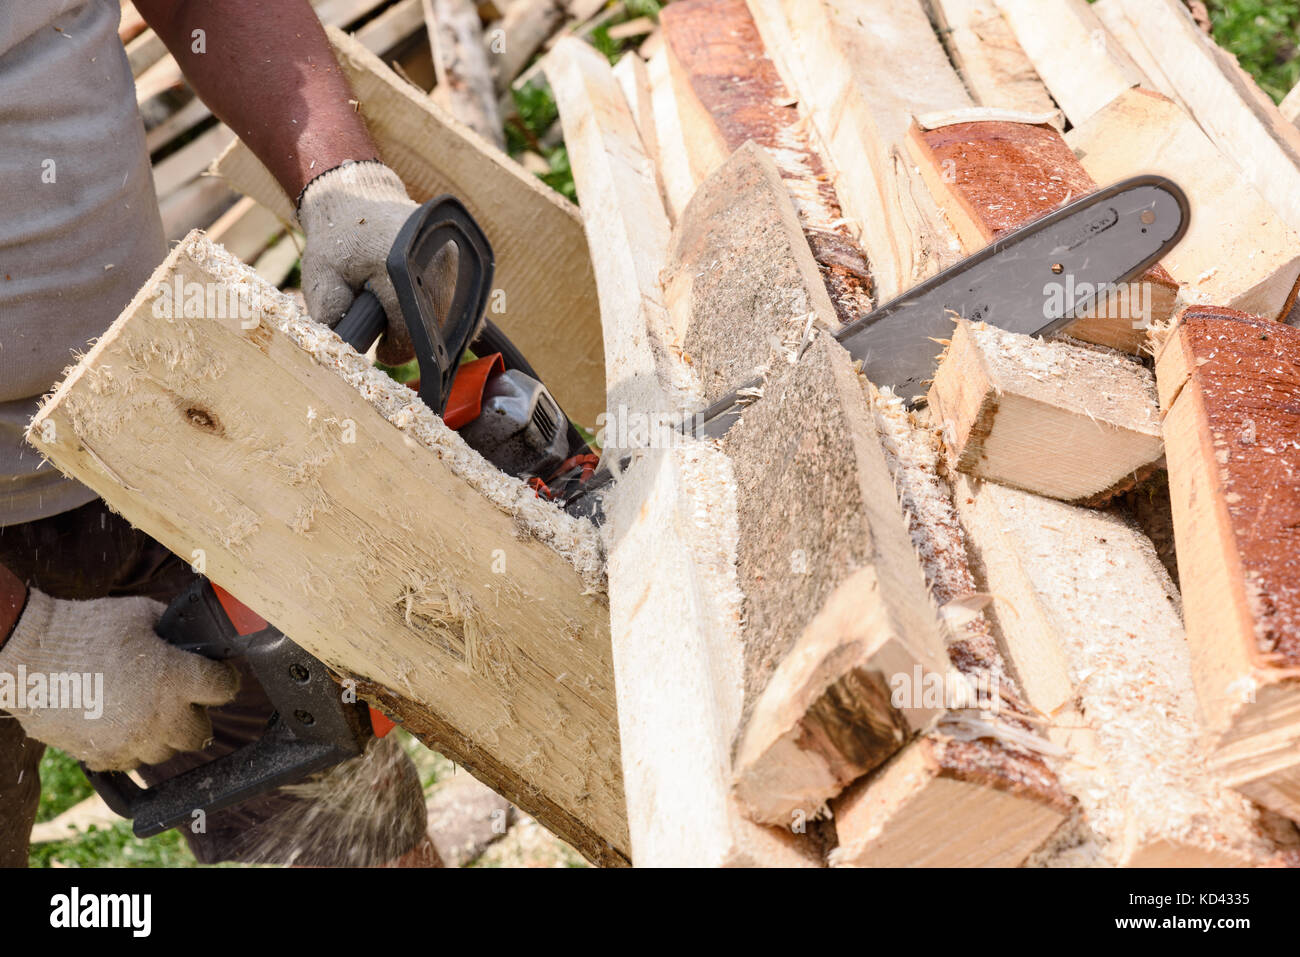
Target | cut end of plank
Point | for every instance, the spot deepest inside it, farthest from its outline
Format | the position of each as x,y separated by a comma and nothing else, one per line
933,806
1063,421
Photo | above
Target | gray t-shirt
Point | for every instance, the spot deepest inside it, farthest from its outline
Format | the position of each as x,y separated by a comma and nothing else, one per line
80,231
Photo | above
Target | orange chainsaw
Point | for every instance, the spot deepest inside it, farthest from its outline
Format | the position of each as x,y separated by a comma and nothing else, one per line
502,411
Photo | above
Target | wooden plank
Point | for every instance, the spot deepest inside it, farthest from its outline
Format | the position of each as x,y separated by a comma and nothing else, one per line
1068,46
1237,252
190,160
1245,125
1230,387
144,51
740,275
180,121
545,293
277,262
522,31
194,206
861,71
1090,623
460,62
347,514
1290,105
246,229
131,24
729,92
992,177
1054,419
394,25
984,760
341,13
982,46
835,600
634,80
674,603
638,27
931,807
1119,30
678,174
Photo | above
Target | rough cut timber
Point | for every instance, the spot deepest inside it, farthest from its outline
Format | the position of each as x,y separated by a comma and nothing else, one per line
983,48
1290,105
992,177
861,71
545,292
836,603
1063,421
1089,621
460,61
678,175
1237,252
983,761
740,276
1240,119
1070,48
634,80
524,27
1121,31
1230,387
674,602
343,511
729,92
933,807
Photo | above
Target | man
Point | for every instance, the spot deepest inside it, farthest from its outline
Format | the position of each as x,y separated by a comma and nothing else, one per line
80,590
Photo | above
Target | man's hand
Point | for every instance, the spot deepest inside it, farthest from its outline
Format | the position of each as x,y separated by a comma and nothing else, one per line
351,216
154,693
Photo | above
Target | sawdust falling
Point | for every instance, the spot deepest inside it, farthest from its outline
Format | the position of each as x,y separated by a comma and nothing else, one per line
365,812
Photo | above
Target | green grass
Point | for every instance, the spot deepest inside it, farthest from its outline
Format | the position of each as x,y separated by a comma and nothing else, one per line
1265,37
63,785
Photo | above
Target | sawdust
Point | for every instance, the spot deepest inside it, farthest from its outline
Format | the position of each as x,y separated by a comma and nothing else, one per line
576,540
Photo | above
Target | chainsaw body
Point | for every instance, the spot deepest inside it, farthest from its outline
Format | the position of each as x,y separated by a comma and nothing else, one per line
500,408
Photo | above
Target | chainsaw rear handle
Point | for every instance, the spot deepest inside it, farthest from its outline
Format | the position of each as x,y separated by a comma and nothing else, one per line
439,340
312,728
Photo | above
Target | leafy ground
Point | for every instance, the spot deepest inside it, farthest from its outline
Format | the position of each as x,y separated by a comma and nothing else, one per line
1265,37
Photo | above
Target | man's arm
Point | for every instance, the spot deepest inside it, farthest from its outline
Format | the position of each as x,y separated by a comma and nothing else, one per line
13,598
270,74
268,70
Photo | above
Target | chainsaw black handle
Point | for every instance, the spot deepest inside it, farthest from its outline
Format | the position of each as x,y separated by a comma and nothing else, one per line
311,730
439,340
363,323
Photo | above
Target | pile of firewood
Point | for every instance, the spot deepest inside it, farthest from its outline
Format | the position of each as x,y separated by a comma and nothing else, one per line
1047,617
953,634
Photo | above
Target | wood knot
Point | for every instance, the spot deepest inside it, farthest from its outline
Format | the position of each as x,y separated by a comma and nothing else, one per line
202,419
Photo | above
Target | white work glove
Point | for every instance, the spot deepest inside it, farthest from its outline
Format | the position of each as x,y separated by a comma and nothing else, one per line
351,216
153,693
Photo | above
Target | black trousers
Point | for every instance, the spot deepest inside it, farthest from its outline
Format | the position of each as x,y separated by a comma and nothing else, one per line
369,810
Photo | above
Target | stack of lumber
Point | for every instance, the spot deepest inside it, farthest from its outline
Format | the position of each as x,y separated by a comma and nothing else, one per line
775,170
850,633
